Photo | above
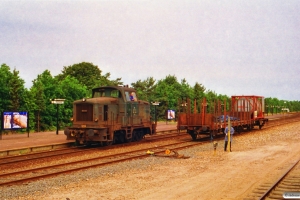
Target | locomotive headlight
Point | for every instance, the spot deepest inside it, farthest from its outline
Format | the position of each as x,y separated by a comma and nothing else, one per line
71,119
83,99
96,119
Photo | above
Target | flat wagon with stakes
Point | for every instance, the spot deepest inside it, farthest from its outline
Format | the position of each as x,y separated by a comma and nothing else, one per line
244,112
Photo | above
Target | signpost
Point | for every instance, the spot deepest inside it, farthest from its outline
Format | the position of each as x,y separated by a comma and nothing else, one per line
57,102
155,115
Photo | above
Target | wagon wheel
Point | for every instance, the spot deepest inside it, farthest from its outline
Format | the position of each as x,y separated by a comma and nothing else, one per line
193,135
77,143
212,135
248,127
88,144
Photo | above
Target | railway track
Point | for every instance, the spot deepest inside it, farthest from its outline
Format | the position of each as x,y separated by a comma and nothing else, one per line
21,176
287,186
81,149
16,176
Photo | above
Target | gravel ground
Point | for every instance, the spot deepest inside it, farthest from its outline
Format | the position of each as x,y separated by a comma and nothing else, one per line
256,158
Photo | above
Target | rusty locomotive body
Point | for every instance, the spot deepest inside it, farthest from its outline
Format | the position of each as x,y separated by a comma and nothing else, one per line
244,113
112,115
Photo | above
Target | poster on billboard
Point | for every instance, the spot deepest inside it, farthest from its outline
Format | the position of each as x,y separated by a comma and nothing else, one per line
14,120
171,114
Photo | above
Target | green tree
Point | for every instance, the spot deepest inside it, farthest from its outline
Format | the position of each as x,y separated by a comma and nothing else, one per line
145,89
29,105
5,77
211,97
16,87
46,83
69,89
37,91
186,90
167,92
88,74
199,90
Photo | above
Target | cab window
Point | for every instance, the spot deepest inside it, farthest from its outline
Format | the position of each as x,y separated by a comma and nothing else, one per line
130,96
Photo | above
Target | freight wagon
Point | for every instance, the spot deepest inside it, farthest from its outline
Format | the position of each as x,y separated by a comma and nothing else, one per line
245,113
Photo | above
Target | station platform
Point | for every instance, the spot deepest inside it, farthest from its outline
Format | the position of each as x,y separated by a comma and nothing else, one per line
17,141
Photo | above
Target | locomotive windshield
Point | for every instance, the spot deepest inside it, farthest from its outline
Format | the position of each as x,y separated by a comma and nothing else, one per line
107,92
130,96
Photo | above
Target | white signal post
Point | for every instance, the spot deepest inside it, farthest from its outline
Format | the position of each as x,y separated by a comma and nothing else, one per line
57,102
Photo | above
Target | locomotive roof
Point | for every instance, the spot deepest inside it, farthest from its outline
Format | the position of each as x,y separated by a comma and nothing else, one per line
121,88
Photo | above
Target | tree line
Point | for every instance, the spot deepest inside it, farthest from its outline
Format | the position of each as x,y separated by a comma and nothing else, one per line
76,82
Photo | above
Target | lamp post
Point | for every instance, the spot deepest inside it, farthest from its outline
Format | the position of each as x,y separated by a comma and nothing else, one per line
155,115
284,110
57,102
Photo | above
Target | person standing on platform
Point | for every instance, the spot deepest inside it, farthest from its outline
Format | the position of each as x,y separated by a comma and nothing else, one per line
226,137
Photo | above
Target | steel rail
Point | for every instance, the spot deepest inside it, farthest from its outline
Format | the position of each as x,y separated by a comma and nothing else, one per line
74,150
278,181
62,166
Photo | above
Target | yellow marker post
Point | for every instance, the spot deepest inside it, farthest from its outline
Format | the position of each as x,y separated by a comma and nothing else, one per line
215,144
228,135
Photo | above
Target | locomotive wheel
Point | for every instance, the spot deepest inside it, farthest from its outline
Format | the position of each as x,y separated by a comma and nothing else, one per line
108,143
101,144
119,138
141,135
128,139
137,135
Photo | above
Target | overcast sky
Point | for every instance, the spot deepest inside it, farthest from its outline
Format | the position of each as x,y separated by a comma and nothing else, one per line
232,47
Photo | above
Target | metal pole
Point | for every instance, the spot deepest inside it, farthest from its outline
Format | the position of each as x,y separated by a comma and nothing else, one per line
155,118
228,134
56,119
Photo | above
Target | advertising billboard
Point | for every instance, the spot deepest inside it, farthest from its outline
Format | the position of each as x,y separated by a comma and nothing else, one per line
14,120
171,114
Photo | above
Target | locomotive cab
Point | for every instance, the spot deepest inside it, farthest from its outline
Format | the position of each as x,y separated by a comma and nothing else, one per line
113,115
